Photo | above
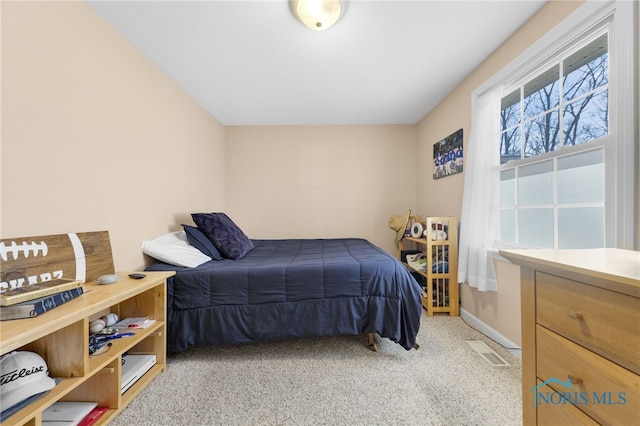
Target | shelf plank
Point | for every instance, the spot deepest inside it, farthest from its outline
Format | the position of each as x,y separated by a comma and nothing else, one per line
416,240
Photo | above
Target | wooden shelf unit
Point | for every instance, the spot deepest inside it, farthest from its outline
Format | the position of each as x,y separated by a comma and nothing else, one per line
61,337
440,293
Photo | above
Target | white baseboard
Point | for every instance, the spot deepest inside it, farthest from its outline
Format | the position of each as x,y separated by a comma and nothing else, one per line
491,333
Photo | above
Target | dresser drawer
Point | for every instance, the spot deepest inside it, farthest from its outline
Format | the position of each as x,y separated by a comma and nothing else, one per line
559,414
603,321
605,391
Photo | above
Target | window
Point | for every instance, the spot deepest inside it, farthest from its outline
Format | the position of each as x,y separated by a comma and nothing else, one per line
552,157
568,134
556,199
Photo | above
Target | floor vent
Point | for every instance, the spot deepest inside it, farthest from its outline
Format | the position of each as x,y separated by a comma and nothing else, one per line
487,353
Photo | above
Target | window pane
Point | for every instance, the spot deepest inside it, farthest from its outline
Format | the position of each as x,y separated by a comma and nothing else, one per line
535,184
542,93
581,227
510,110
508,187
508,225
581,177
510,145
587,69
535,227
541,134
587,118
559,200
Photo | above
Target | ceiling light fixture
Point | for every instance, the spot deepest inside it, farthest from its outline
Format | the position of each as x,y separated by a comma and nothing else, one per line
317,15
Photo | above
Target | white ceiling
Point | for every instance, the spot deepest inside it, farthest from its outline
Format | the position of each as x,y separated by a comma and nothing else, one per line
253,63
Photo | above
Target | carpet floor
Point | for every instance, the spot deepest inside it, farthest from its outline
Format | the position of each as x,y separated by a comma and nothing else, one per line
336,381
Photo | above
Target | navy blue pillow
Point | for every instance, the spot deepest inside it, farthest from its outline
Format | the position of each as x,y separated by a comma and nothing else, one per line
200,241
225,235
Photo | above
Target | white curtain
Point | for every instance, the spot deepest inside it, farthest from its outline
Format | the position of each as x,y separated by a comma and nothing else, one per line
480,200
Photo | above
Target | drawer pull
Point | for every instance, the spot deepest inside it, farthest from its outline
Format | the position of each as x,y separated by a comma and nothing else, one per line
575,315
574,380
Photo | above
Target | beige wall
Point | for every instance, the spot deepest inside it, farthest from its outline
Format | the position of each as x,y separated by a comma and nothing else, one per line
96,137
499,310
321,182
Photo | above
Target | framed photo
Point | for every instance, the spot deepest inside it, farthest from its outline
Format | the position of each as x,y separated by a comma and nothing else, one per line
448,156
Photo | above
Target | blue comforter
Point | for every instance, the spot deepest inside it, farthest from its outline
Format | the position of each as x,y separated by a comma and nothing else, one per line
293,288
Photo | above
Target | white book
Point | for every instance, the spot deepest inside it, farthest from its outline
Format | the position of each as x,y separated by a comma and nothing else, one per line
66,413
133,323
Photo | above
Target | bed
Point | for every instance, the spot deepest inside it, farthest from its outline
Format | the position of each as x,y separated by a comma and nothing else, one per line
290,288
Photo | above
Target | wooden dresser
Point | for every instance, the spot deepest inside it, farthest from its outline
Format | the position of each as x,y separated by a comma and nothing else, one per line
580,336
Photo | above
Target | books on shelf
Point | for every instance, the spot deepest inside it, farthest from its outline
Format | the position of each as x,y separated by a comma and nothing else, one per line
66,413
133,322
35,307
26,292
93,416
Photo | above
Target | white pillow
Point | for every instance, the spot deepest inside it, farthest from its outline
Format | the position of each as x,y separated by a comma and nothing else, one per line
174,249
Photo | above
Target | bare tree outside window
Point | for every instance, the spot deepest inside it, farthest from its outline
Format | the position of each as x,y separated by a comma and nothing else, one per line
586,113
548,202
545,121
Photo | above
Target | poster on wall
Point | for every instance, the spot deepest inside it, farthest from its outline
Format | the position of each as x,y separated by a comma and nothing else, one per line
448,156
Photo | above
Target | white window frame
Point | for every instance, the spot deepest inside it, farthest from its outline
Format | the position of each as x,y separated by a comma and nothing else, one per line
620,144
